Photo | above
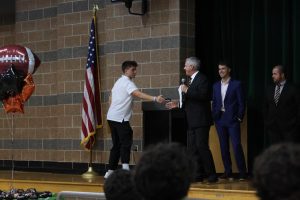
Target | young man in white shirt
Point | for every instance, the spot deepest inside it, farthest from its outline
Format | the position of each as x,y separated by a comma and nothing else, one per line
119,114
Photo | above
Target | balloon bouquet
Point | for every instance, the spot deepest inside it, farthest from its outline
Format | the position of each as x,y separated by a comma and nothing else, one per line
17,64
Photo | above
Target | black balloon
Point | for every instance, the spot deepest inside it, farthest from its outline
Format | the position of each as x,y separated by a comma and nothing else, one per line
11,83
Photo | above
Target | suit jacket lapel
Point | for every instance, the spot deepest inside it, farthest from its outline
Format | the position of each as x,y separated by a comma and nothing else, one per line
283,92
219,92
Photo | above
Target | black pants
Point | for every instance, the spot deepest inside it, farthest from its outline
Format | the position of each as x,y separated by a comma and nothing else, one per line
277,135
121,134
197,144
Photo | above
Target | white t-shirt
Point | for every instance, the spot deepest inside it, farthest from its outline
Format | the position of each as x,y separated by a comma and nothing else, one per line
121,100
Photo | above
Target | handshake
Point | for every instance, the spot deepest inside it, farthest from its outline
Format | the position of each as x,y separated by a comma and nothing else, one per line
168,102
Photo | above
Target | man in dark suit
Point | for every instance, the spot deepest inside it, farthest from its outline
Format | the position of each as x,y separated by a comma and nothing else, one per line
282,109
228,110
198,114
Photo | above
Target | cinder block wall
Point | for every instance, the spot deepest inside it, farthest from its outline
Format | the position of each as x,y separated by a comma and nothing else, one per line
58,32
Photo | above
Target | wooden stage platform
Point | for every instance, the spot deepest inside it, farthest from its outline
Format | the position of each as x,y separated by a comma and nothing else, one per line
223,190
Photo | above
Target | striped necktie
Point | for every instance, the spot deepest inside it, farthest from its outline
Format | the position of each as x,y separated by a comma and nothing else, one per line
190,82
277,93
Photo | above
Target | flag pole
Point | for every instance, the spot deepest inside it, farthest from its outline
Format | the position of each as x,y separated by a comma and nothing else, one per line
90,173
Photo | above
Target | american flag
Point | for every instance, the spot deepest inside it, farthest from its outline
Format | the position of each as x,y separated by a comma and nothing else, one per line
91,109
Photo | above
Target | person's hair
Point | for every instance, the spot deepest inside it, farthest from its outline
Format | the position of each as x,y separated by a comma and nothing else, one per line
224,63
194,61
120,185
277,173
281,69
127,64
164,171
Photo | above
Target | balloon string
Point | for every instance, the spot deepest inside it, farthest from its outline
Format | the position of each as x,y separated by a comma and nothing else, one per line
11,127
12,152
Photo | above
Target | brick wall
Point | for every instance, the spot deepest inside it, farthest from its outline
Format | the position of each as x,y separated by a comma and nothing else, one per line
57,31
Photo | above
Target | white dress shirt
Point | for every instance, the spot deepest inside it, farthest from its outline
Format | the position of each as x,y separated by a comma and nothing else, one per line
224,87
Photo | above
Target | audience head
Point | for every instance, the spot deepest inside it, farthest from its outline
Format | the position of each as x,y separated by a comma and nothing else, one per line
120,185
164,172
277,173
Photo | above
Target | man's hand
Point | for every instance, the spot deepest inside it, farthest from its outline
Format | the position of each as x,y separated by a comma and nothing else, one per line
184,88
160,99
170,105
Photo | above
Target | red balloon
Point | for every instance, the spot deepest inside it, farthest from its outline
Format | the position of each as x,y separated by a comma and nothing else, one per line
21,57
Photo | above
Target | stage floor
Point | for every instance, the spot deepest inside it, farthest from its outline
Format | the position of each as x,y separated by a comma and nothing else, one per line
225,190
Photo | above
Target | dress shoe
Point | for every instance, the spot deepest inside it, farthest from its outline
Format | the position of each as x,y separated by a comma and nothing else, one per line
226,177
242,177
198,179
212,179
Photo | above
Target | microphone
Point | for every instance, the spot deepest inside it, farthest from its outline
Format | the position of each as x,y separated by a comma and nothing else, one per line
168,99
183,81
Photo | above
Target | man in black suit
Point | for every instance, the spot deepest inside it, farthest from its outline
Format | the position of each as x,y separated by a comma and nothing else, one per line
198,114
282,109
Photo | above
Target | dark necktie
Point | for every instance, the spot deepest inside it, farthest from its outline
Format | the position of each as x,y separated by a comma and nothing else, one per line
190,82
277,94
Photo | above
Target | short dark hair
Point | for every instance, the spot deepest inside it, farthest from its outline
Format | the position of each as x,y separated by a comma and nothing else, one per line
276,172
127,64
224,63
165,171
281,68
120,185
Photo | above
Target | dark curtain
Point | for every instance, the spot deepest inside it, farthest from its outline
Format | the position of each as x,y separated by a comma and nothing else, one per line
253,36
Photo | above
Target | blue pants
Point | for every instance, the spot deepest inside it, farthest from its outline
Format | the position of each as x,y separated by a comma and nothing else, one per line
234,132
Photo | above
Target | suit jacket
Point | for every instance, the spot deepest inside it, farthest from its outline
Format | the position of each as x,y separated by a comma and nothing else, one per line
286,115
234,103
197,103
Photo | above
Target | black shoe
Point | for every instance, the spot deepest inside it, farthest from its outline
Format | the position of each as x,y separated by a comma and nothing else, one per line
198,179
226,177
212,179
243,177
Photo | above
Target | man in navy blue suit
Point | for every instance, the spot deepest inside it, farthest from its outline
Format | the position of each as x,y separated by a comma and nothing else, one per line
228,110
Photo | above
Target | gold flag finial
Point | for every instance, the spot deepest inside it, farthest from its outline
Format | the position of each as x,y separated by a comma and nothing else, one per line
95,8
